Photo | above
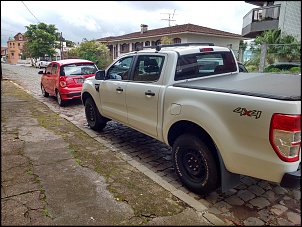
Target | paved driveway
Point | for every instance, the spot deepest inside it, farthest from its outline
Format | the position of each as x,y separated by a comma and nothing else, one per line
252,202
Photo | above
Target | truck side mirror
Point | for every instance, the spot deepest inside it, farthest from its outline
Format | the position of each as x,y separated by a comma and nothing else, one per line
100,75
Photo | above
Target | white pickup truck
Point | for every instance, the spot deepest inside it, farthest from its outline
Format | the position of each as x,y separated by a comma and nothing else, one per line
42,63
220,123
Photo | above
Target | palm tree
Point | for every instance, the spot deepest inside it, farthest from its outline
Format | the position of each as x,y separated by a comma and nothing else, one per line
280,46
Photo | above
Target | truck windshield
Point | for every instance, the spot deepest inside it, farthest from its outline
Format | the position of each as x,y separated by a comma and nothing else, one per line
204,64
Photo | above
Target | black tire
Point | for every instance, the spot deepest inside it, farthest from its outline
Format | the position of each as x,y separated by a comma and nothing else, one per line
44,93
94,119
195,164
59,99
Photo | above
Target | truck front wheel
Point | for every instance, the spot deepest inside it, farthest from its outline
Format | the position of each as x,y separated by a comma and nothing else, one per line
94,119
195,164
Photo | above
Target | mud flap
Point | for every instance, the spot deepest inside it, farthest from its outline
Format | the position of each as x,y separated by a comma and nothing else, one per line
228,180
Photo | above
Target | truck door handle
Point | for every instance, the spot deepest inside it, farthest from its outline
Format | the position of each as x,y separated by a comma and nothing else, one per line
150,93
119,89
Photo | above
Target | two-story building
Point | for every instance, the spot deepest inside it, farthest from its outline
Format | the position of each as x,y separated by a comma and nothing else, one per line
270,15
186,33
15,47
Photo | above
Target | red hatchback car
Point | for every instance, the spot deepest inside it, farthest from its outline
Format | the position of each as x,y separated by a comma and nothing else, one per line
64,78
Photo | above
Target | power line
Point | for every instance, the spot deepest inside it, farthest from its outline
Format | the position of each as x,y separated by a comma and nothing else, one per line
30,12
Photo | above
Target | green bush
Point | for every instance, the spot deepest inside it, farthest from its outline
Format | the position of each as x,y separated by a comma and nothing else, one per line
272,70
295,69
252,68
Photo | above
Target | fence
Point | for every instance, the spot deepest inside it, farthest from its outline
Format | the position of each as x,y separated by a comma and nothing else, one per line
268,54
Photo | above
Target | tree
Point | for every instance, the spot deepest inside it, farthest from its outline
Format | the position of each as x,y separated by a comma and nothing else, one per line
243,45
268,37
96,52
291,50
71,54
41,40
242,48
166,40
280,46
27,53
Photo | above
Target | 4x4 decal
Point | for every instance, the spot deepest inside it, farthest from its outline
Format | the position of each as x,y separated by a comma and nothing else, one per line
249,113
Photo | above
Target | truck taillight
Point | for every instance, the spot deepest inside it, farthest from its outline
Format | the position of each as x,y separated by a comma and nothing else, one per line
285,136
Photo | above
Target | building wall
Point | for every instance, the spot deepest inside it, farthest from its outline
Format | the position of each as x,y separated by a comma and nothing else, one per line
14,48
290,18
233,43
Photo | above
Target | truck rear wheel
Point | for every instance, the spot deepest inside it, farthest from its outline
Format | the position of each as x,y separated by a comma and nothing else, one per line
195,164
94,119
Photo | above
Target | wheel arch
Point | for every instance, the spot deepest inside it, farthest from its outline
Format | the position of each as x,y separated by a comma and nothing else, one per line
228,179
182,127
85,95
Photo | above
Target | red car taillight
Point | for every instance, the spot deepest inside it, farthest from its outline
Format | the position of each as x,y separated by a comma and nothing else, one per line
62,82
285,136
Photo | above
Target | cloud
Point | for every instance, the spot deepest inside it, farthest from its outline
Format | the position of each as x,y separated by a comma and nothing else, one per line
97,19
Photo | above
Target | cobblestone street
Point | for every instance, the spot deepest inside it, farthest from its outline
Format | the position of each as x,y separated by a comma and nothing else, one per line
252,202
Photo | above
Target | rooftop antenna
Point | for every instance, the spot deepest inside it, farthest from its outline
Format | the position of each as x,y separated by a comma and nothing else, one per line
170,19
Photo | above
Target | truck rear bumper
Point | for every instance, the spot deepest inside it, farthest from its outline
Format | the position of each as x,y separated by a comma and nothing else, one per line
292,179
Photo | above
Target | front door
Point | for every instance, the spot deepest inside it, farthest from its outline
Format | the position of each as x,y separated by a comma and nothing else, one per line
113,90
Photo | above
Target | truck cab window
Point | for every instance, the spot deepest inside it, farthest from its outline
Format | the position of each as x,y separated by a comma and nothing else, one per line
204,64
120,70
148,68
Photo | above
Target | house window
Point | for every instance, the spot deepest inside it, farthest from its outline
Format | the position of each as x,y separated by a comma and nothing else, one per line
20,37
147,43
13,56
19,46
176,40
124,48
138,46
10,45
13,45
157,42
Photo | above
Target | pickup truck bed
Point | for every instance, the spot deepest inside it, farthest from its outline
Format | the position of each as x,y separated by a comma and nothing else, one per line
272,86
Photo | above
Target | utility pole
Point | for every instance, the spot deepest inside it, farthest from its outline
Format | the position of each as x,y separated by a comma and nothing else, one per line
170,19
62,56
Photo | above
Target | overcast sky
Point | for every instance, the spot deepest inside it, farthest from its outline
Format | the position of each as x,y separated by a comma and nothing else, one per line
97,19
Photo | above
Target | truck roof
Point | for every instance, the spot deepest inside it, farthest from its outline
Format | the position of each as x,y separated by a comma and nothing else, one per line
182,48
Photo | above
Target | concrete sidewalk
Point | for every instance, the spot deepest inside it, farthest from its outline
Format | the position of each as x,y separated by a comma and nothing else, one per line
52,173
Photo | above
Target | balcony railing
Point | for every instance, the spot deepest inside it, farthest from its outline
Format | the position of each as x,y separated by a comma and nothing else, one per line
261,14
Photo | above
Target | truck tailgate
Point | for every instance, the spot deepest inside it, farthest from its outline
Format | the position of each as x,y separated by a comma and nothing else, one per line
266,85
